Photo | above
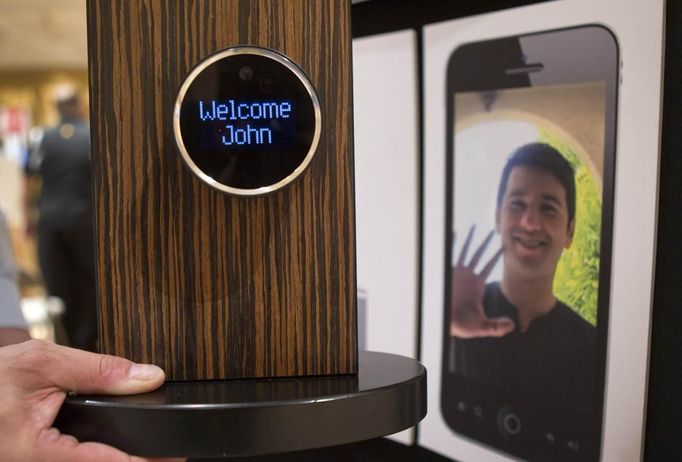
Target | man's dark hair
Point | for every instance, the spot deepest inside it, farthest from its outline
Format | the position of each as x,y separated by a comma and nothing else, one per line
544,157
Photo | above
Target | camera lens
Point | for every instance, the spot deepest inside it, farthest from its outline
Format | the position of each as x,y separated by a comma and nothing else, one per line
245,73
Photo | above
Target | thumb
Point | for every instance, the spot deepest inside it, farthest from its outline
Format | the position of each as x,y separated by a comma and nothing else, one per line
498,327
84,372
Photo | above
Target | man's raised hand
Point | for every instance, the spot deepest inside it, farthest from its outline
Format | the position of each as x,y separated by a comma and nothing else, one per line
467,314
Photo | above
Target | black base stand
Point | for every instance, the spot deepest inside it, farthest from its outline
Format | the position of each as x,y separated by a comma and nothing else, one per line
254,417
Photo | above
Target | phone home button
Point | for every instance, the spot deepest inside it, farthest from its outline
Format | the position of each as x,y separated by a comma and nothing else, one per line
508,423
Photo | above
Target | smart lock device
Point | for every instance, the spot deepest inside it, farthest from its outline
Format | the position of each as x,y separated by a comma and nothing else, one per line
247,120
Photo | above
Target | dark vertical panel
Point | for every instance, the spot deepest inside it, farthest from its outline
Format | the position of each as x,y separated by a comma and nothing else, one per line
204,284
379,16
664,408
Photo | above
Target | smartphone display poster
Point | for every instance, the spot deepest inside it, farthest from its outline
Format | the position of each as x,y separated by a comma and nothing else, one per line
529,157
524,316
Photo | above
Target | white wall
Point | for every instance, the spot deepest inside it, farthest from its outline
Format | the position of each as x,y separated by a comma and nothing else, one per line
386,181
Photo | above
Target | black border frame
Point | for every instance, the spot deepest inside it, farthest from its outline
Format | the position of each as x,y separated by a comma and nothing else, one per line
662,440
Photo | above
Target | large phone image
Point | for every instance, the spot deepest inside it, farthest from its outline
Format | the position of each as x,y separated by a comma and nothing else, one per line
531,123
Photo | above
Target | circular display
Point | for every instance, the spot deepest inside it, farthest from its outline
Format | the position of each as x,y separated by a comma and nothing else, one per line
247,121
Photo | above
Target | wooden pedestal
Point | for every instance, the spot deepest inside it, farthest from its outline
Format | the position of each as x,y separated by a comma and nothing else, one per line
203,284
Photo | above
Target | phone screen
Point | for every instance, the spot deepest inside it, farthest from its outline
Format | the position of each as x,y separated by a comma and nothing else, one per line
531,137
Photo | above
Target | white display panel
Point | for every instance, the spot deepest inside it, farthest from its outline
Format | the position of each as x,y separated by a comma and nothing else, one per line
385,110
638,29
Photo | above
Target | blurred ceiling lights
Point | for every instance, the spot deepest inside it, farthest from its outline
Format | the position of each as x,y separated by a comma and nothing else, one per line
42,34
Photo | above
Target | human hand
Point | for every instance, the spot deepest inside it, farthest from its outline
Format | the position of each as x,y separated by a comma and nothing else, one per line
467,314
34,379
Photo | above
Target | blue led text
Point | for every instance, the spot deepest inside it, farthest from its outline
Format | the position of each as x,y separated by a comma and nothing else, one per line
233,110
248,135
238,133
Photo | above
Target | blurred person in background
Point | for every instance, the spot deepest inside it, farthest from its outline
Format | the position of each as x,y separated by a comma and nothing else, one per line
65,225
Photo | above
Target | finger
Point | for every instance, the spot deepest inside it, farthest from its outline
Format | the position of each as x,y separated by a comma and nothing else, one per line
465,247
84,372
72,451
497,327
488,268
62,448
479,252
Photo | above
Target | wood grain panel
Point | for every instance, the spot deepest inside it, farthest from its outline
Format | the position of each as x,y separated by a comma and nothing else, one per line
205,284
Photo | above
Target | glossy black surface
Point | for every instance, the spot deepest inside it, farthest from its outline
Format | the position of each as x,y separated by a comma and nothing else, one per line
260,416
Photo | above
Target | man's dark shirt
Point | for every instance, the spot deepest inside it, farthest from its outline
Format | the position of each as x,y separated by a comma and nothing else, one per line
66,194
548,372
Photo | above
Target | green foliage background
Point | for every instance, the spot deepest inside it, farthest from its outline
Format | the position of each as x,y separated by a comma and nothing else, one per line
577,276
